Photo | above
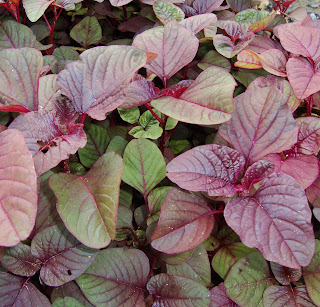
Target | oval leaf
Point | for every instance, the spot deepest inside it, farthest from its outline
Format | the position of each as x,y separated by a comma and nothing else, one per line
219,297
166,12
274,62
248,59
285,275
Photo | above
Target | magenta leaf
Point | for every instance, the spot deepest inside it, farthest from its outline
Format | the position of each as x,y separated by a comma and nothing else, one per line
18,291
185,222
94,83
18,199
276,220
196,23
274,62
285,275
304,78
171,290
219,297
206,6
261,124
19,260
282,296
204,102
210,168
256,172
175,46
300,40
117,277
63,257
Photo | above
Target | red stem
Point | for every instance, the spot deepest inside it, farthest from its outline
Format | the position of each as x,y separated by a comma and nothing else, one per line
153,113
170,133
152,266
82,118
55,18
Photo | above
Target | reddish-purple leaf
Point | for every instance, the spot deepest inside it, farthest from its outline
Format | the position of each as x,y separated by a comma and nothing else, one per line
285,275
210,168
119,2
63,257
274,62
175,46
18,291
171,290
279,296
206,6
304,78
304,169
313,193
261,43
135,24
185,222
18,199
261,124
196,23
300,40
248,59
219,297
239,5
94,83
276,220
256,172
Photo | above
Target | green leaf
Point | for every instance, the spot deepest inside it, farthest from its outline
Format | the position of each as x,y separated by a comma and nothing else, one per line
117,277
151,132
126,195
171,122
178,145
247,280
87,31
197,267
64,56
227,256
130,116
66,302
166,11
311,275
117,145
248,17
88,204
213,58
144,165
97,142
117,131
175,259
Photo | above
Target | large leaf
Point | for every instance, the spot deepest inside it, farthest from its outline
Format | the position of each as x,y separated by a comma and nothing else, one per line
210,168
19,73
304,78
207,101
196,23
18,291
63,257
185,222
278,210
261,124
175,46
144,165
17,35
171,290
117,277
88,204
248,279
206,6
274,62
94,83
18,200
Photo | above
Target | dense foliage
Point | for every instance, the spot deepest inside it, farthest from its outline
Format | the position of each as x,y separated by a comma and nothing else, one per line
159,153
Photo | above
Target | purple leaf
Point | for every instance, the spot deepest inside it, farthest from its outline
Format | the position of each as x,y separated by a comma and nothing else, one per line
276,220
63,257
135,24
184,223
239,5
196,23
206,6
304,78
117,277
313,193
219,297
274,62
204,102
210,168
19,189
256,172
19,260
18,291
261,124
171,290
261,43
175,46
119,2
94,83
285,275
287,296
231,27
300,40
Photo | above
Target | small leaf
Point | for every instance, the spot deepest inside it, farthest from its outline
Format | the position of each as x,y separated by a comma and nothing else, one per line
19,189
97,143
87,31
184,223
207,6
248,279
213,58
274,62
88,204
66,302
166,12
262,23
210,168
279,209
117,277
178,145
64,258
64,56
144,165
219,297
248,59
130,116
196,23
118,145
285,275
171,290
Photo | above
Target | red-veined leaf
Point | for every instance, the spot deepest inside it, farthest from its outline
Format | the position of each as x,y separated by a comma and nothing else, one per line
196,23
285,275
262,23
206,6
219,297
274,62
248,59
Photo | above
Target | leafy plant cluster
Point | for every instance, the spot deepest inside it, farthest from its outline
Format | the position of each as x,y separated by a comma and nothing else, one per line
159,153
